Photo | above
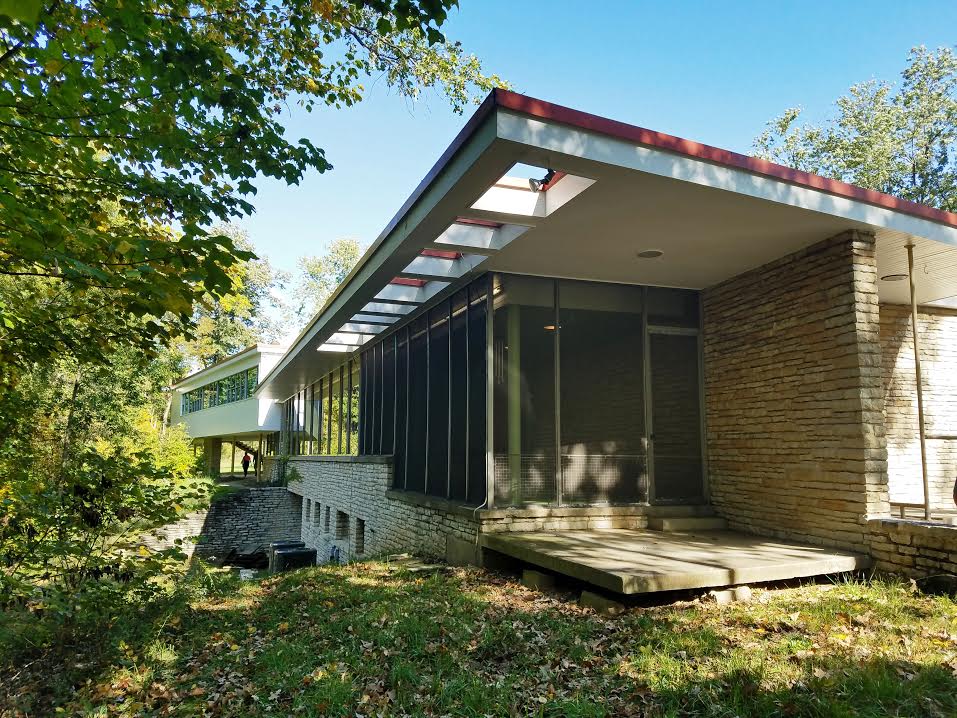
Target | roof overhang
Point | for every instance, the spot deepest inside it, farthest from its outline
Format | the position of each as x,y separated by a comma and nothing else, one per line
618,190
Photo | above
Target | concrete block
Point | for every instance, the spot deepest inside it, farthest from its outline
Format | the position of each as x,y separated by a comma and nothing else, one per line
601,604
741,593
459,552
537,580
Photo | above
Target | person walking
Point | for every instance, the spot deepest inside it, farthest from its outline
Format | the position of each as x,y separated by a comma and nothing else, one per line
246,459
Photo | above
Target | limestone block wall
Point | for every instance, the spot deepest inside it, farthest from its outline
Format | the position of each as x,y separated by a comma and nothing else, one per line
794,402
937,330
242,520
347,515
913,548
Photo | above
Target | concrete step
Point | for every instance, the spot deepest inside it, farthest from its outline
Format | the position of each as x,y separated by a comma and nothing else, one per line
687,523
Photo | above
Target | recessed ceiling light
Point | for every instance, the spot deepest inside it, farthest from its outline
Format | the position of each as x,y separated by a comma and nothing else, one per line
650,253
893,277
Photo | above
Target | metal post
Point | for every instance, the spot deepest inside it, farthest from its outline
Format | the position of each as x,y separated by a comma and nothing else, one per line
329,419
381,384
408,400
232,466
349,414
395,391
468,385
917,376
489,396
428,393
557,368
342,393
448,439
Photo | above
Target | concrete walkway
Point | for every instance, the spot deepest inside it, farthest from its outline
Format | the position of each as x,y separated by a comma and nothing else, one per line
630,561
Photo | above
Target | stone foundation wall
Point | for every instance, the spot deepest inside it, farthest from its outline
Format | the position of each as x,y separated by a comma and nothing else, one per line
794,402
347,515
242,520
937,330
913,548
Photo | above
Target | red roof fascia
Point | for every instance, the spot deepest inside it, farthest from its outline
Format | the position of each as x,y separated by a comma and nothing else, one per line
440,253
406,282
640,135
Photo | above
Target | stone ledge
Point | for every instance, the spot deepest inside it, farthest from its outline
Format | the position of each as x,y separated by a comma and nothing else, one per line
914,526
430,502
548,512
333,459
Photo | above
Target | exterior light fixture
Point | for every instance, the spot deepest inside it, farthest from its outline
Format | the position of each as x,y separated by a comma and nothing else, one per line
650,253
536,185
549,327
893,277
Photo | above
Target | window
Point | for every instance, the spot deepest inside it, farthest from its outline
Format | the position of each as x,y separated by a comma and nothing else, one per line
234,387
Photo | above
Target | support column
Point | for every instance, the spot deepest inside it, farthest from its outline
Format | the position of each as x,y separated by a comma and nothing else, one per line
212,455
917,377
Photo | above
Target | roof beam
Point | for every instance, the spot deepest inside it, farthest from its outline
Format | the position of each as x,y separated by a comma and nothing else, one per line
440,268
374,319
484,239
362,328
389,308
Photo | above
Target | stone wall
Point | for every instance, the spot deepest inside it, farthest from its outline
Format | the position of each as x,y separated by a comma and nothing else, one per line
243,520
937,330
913,548
794,402
339,492
347,514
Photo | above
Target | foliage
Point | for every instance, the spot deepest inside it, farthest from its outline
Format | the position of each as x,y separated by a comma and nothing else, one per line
127,127
247,314
321,275
372,639
86,466
901,141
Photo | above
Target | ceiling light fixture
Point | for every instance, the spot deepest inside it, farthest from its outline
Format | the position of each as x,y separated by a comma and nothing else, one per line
650,253
893,277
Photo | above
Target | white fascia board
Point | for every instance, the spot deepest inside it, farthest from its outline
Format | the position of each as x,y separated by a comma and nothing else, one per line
600,148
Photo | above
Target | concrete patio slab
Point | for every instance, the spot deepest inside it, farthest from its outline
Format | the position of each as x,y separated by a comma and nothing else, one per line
632,561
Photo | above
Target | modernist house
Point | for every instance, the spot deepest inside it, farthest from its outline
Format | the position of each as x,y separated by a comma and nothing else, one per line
576,329
216,404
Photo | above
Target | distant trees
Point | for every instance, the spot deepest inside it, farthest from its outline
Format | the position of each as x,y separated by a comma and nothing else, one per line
320,275
901,140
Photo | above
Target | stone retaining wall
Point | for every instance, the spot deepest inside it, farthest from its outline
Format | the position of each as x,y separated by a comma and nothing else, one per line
913,548
242,520
937,329
794,402
346,513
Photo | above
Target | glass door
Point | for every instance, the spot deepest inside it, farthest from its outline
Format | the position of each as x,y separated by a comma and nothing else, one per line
675,415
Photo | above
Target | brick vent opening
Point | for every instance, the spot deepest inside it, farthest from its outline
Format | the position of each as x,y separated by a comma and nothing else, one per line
360,536
342,525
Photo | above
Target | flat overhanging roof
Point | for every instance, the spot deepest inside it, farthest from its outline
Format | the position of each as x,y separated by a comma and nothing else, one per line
618,190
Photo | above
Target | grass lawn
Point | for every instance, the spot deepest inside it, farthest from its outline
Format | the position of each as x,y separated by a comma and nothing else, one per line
369,639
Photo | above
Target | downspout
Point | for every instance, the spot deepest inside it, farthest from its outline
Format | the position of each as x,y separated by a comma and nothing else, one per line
920,389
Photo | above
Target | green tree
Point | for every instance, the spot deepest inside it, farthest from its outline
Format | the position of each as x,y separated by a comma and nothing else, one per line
900,140
129,126
223,325
320,275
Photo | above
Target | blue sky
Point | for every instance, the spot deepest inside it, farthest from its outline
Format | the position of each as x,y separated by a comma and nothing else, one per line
708,71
